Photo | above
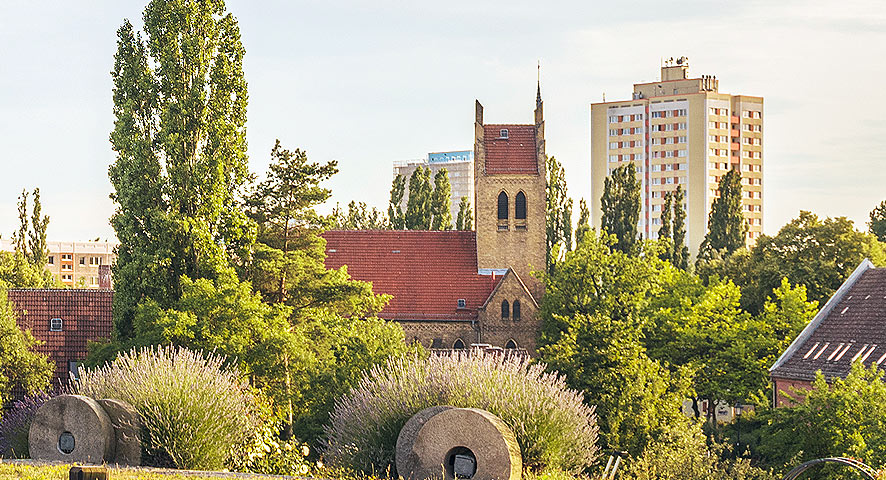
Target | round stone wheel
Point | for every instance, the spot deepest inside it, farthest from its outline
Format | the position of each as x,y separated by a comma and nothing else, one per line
71,428
457,443
127,431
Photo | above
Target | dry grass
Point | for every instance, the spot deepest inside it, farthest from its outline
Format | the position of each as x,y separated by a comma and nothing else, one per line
19,470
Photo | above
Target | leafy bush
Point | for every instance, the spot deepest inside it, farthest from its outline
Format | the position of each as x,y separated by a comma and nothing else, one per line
194,408
264,452
554,428
682,452
16,424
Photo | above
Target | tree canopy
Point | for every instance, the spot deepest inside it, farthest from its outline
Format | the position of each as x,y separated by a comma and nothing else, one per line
620,206
558,220
727,226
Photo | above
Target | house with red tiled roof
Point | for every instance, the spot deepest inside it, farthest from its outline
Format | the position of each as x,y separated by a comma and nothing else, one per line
64,320
452,289
851,326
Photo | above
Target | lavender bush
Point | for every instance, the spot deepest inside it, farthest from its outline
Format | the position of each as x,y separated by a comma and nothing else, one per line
16,423
554,427
194,408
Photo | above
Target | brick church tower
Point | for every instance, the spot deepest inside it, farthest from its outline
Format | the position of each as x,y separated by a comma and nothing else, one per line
509,198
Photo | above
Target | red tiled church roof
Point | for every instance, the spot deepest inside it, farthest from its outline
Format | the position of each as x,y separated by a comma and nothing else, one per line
426,272
85,314
515,154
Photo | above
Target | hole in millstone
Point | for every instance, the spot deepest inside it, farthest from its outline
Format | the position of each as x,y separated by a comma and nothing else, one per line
460,463
66,443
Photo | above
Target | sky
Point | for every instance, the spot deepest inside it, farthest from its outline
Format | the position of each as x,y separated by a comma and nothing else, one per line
371,82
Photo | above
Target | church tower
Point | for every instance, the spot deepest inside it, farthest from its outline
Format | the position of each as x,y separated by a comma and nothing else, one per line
509,196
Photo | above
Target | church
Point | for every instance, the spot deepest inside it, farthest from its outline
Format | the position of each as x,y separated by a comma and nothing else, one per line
452,288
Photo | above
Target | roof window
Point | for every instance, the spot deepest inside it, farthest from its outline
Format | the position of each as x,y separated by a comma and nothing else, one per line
865,347
844,310
880,360
503,133
834,353
843,352
825,347
866,355
55,325
462,303
811,350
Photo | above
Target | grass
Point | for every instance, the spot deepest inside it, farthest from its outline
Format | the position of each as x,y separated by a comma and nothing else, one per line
60,472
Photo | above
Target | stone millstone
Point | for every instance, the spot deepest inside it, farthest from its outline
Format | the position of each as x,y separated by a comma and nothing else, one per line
127,431
439,442
73,423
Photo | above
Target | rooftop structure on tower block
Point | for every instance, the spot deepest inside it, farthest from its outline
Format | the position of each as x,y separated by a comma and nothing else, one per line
458,164
850,326
680,131
452,289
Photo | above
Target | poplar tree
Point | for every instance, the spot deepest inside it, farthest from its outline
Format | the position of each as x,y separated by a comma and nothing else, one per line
726,224
465,219
558,219
877,224
37,235
441,202
584,222
180,139
395,212
680,257
621,207
664,232
418,207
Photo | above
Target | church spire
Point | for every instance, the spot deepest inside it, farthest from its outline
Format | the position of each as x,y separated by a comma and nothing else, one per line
538,92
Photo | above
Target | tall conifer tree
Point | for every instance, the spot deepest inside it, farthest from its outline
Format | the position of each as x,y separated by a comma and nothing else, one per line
680,257
621,207
395,212
665,232
726,224
465,219
441,202
418,207
584,222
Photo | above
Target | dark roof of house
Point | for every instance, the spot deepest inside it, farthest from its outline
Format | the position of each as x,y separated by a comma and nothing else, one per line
851,325
85,314
515,154
426,272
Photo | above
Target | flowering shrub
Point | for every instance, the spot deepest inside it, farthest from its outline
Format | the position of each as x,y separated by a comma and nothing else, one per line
554,427
264,452
16,423
194,409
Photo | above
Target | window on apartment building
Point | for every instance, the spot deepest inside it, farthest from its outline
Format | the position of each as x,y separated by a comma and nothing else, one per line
67,256
67,267
51,260
67,277
55,324
82,260
98,260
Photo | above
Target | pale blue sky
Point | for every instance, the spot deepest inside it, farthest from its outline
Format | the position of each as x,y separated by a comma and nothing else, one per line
370,82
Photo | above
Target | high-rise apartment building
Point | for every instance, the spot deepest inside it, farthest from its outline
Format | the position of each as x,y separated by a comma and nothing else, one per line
681,131
460,167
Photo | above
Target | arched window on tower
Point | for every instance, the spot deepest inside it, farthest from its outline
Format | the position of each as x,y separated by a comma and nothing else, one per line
502,206
520,206
511,344
516,309
505,309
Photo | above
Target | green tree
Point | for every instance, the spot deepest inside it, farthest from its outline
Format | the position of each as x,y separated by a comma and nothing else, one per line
583,228
846,417
180,138
680,256
37,236
441,202
591,332
665,232
620,204
359,217
465,219
20,365
878,221
727,226
418,207
817,253
395,213
558,219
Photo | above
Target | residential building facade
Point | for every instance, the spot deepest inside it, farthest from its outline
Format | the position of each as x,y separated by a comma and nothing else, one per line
458,164
680,131
78,264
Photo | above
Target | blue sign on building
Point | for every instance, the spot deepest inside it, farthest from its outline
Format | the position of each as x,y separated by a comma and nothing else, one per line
443,157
